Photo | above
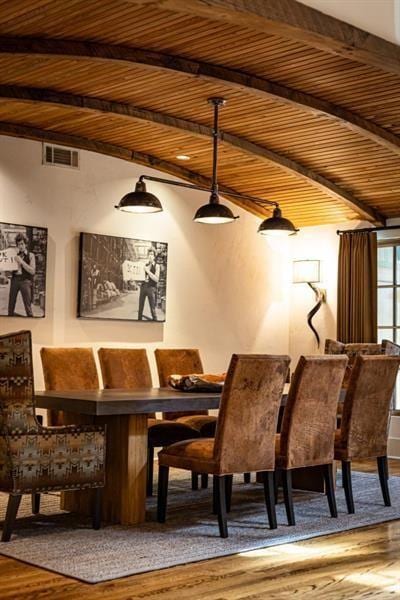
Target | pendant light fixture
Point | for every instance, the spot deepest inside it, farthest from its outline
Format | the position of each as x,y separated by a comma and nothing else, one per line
212,213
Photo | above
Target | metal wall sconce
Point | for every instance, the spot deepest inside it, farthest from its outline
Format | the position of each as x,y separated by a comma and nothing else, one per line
308,271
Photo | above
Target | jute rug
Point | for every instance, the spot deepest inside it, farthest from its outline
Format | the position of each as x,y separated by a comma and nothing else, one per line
66,544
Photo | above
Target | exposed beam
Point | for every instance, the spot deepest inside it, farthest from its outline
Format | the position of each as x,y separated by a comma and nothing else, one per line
250,84
45,135
132,112
293,20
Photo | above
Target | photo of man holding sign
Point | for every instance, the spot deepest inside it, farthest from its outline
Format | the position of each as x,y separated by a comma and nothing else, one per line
22,270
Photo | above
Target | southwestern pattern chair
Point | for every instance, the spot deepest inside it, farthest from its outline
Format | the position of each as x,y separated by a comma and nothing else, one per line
244,439
129,368
365,419
36,459
309,424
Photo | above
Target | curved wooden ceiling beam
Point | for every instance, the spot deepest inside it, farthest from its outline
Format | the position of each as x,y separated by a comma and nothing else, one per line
146,160
206,71
97,105
296,21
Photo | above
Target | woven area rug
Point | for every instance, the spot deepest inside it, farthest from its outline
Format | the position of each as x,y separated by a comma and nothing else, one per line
66,544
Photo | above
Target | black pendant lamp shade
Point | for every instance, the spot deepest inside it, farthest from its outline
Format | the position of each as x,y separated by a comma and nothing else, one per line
140,201
214,213
277,226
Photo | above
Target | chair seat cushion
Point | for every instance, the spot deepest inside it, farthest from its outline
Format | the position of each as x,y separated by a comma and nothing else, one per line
194,455
204,424
162,432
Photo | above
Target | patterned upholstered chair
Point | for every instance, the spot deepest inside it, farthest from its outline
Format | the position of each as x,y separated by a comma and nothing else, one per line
309,424
365,419
245,435
356,349
129,368
36,459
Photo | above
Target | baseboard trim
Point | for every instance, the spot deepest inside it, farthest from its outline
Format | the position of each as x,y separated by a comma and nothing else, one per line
394,447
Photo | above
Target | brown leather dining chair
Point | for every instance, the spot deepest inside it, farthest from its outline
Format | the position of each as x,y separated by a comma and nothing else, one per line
129,368
309,423
185,361
364,426
245,435
36,459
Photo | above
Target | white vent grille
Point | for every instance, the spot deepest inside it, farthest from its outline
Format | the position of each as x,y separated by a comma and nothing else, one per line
60,156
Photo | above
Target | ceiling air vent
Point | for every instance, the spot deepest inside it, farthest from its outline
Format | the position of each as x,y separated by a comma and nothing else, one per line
60,156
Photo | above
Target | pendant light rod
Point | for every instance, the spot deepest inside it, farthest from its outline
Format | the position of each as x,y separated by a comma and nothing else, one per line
216,102
193,186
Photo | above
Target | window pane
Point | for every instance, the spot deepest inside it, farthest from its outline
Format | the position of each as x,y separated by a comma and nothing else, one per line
398,265
385,265
385,306
385,334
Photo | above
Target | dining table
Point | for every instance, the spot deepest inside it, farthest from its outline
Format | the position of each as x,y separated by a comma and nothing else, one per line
125,412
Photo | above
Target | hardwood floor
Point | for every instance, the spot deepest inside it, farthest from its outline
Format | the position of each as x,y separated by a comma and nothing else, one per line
364,563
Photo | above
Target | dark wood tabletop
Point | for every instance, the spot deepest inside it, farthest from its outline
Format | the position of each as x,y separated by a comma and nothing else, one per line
126,402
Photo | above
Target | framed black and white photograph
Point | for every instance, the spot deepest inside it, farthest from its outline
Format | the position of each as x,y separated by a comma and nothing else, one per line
23,254
122,278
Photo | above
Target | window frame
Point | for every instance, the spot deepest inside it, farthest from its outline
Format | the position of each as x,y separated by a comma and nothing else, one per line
393,243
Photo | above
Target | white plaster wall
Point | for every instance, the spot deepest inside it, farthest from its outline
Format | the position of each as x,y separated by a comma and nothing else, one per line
380,17
227,289
319,243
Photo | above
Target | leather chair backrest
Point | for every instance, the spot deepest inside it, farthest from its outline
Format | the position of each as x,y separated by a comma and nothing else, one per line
69,369
125,368
248,416
177,361
366,409
309,419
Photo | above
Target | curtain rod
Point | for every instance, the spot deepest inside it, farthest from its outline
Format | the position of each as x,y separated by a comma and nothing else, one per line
366,229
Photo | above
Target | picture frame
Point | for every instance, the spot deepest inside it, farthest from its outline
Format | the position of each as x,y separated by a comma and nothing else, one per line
23,264
122,279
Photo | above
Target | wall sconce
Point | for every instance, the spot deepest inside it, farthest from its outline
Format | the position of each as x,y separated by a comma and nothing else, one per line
308,271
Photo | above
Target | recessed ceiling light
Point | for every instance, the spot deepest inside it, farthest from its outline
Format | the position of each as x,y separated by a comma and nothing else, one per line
182,157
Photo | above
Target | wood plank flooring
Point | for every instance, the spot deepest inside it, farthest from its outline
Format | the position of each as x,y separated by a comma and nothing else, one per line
364,563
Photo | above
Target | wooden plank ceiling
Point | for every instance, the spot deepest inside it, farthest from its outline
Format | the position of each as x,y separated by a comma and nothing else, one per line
312,119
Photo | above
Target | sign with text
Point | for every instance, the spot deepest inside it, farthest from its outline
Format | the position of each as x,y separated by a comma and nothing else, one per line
7,259
133,270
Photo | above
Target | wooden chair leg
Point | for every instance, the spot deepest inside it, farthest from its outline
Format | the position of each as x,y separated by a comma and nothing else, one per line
221,506
96,516
288,495
195,481
150,470
247,477
228,491
383,471
269,494
204,481
163,474
11,514
347,484
330,489
35,499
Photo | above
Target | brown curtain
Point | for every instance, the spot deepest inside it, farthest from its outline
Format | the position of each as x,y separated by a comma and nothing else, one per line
357,288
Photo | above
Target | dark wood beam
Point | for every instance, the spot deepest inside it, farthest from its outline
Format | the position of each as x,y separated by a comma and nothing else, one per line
132,112
251,84
146,160
296,21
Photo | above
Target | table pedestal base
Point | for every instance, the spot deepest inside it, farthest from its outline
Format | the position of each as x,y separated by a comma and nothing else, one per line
124,495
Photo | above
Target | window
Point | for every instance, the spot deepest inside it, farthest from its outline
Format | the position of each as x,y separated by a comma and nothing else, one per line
389,296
